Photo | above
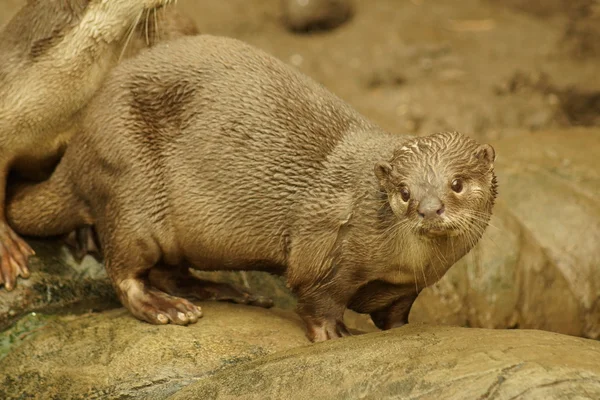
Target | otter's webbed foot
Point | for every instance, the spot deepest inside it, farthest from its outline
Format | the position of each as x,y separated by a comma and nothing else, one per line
156,307
179,281
319,331
14,255
322,314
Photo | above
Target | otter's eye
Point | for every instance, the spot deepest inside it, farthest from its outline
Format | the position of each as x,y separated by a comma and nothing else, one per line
457,185
405,193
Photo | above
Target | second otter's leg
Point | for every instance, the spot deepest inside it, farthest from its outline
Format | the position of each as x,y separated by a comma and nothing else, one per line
14,251
179,281
83,241
129,260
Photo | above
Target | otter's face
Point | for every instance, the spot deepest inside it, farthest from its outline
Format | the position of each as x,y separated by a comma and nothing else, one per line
442,185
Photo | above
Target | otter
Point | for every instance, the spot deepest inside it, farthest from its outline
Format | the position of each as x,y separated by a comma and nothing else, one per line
210,153
54,55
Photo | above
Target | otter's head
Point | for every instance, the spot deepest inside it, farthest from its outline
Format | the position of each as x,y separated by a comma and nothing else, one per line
40,27
442,185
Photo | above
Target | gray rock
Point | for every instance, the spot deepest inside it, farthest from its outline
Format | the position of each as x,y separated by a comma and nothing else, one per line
57,283
308,15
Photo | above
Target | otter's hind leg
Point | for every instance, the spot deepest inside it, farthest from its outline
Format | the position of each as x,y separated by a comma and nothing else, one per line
83,241
179,281
129,260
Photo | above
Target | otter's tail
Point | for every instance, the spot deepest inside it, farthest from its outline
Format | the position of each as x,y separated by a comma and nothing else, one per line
48,208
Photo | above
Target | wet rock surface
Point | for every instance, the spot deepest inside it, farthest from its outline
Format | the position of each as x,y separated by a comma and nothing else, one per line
57,283
417,362
113,355
248,352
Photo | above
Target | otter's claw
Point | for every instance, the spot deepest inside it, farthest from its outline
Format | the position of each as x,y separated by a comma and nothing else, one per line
152,305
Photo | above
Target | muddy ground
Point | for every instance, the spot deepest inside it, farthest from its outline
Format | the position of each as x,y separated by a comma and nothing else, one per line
490,68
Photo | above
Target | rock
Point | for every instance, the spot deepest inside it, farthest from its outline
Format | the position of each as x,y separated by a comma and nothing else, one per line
537,265
582,36
239,351
417,362
309,15
57,283
543,8
113,355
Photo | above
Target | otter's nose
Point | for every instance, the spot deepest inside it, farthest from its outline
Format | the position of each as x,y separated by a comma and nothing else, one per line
430,207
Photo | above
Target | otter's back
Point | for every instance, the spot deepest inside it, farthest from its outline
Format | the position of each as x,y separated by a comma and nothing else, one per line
219,97
232,130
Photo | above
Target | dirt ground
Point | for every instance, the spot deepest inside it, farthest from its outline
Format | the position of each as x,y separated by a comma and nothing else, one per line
489,68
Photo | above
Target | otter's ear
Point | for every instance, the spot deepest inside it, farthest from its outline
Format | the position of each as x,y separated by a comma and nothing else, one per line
383,171
485,154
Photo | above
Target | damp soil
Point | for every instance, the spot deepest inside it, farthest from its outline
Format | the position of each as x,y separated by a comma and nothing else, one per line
489,68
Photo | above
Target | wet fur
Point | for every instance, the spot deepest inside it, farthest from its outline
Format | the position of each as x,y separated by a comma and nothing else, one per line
211,153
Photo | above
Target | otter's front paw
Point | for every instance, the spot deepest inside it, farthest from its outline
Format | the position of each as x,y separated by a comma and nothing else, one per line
156,307
319,331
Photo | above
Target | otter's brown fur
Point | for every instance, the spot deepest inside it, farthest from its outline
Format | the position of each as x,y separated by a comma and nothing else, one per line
212,154
54,54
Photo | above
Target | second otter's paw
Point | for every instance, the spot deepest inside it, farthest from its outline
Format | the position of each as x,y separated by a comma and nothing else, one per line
14,255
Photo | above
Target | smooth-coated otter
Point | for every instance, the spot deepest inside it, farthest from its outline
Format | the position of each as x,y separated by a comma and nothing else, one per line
210,153
54,54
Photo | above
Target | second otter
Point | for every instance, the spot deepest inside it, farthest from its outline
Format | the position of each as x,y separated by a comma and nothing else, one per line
54,54
210,153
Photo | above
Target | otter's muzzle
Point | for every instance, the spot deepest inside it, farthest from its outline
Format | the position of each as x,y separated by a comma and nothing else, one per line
430,207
